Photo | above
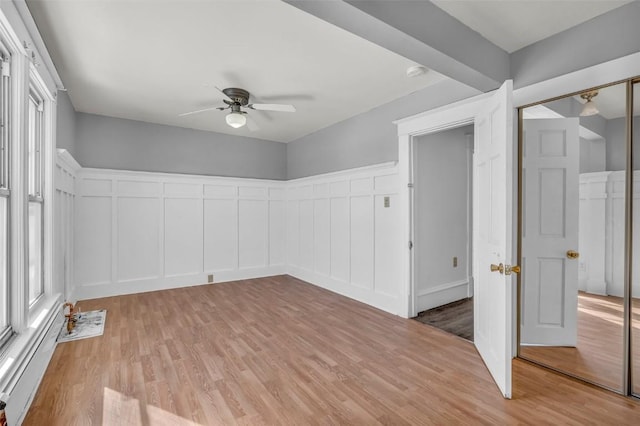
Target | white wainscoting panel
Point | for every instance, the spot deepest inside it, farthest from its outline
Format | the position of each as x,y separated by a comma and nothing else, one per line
277,231
362,241
139,231
339,250
93,241
343,236
306,234
293,232
183,236
64,220
322,236
602,233
220,235
253,233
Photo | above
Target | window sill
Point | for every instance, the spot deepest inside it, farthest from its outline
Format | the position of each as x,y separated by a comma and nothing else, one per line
21,349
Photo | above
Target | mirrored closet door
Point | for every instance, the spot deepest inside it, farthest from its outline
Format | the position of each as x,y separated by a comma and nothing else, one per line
635,271
574,244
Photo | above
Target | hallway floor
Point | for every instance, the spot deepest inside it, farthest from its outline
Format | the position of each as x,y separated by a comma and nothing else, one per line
455,318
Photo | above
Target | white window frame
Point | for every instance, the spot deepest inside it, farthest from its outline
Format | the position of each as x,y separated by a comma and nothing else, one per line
36,175
29,323
5,188
44,188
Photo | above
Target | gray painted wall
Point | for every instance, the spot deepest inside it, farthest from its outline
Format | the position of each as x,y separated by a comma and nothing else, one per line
616,143
601,39
66,124
366,139
115,143
593,155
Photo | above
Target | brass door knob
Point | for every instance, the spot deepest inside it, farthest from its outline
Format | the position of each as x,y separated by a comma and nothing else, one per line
497,268
572,254
508,270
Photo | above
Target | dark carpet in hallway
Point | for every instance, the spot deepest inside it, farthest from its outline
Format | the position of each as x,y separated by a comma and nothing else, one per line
455,318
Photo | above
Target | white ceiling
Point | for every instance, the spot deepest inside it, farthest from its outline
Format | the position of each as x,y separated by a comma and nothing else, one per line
151,60
514,24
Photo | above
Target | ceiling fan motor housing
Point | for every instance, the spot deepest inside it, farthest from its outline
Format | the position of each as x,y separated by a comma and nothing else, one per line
239,96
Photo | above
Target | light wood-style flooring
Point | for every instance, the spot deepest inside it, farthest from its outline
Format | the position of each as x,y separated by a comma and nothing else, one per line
598,356
281,351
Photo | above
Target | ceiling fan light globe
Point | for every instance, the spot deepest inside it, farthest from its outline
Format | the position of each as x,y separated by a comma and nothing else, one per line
236,120
589,109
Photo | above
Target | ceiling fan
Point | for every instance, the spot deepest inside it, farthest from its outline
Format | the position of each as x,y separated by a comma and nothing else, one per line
236,99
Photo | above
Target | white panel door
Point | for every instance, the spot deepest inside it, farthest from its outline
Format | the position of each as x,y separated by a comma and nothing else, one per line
550,228
492,214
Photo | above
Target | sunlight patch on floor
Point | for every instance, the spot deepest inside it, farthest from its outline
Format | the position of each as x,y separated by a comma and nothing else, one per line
614,319
119,409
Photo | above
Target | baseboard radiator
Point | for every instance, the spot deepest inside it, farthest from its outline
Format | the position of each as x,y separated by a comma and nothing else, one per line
22,391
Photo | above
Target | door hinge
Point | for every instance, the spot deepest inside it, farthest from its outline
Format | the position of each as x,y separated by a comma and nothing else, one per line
6,69
410,185
410,245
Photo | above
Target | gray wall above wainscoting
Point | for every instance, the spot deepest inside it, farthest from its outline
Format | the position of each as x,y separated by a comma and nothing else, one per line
368,138
116,143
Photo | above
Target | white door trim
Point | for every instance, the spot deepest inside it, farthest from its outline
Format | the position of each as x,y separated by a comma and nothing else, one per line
448,117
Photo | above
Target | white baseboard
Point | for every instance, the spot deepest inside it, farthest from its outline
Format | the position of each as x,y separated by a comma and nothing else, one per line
593,287
25,389
154,284
369,296
442,294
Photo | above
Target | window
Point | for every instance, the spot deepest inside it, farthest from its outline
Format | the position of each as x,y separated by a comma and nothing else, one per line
35,172
5,193
29,296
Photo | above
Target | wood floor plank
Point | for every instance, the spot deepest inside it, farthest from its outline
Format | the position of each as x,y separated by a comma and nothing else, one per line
598,356
280,351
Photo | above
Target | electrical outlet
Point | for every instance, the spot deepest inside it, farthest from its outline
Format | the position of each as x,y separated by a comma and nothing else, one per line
455,261
387,202
210,278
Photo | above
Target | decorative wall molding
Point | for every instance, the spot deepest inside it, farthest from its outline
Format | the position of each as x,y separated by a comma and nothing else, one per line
64,223
343,233
602,233
141,231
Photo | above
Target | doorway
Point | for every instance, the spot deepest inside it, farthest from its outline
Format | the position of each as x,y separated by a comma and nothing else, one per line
442,211
493,210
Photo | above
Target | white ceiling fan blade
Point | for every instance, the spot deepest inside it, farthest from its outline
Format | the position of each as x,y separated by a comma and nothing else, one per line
197,112
251,124
273,107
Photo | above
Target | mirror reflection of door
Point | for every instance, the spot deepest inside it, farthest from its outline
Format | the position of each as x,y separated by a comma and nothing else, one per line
573,234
